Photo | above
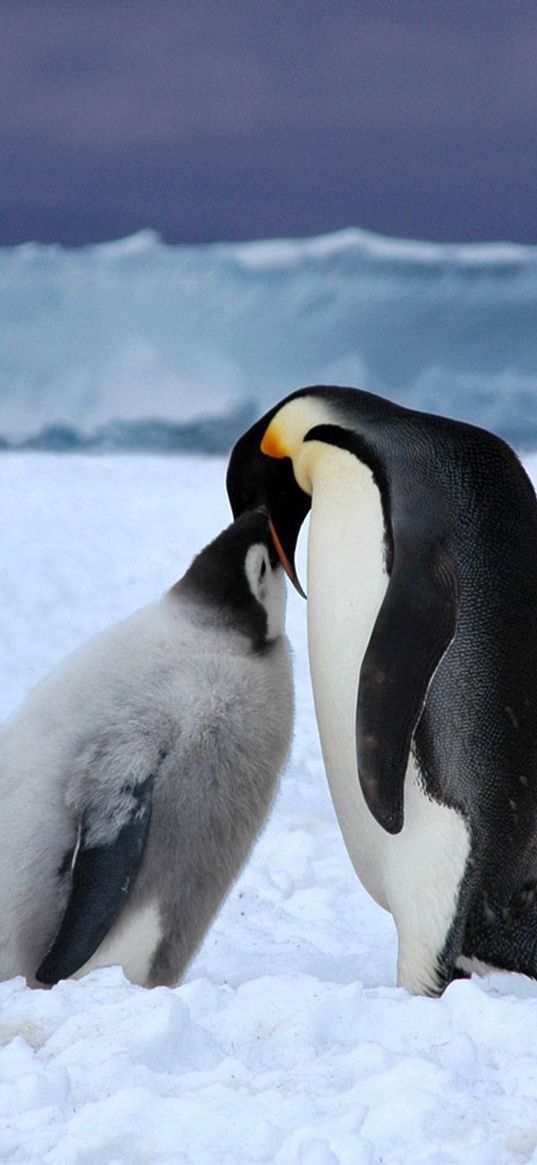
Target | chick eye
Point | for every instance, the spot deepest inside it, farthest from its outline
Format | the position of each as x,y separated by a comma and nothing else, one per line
263,569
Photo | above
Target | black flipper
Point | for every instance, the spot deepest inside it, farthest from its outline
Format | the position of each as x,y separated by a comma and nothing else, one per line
101,877
414,628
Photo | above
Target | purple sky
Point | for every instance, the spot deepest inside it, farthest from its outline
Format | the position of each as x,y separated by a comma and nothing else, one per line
230,119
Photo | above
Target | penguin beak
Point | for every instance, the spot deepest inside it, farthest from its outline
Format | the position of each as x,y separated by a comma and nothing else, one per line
254,479
287,562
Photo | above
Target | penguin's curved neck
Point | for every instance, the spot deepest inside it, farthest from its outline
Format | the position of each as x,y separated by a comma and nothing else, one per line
286,433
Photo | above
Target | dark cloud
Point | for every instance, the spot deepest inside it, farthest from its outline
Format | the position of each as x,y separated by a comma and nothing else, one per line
239,118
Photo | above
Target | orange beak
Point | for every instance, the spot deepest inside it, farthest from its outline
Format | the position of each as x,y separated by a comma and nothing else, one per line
287,565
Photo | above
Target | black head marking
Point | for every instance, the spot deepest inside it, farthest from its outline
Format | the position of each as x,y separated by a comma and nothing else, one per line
217,576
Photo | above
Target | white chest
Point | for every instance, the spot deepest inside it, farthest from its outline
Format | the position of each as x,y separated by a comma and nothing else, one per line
416,873
346,586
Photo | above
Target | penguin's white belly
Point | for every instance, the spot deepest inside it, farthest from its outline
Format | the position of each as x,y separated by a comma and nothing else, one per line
415,874
131,944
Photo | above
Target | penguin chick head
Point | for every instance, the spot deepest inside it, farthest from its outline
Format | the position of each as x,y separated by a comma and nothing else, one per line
272,465
238,579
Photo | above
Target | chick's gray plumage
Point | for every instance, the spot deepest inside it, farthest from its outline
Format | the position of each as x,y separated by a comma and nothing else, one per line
158,745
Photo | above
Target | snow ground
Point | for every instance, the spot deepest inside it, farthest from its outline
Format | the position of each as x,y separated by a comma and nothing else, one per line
288,1042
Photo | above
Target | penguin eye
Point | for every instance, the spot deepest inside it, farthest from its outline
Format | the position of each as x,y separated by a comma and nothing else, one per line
263,569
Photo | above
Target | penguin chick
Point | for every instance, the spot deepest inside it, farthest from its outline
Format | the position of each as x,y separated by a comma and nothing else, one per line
135,779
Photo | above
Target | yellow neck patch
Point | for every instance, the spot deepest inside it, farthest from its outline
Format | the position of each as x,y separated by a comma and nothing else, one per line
284,436
272,444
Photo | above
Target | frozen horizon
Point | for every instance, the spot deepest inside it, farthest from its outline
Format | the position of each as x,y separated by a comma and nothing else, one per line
138,344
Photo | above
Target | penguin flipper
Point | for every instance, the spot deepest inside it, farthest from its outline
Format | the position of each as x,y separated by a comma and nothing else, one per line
100,880
413,630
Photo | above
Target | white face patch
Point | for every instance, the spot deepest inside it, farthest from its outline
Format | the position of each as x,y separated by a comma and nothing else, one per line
267,585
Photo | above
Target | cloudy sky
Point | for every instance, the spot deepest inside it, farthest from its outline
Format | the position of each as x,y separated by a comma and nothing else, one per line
232,119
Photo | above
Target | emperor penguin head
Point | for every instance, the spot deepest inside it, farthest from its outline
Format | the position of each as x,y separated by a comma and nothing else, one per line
271,465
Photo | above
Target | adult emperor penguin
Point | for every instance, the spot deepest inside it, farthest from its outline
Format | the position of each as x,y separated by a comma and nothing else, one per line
422,617
134,781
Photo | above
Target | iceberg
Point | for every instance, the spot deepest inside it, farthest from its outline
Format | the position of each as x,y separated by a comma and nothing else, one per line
138,344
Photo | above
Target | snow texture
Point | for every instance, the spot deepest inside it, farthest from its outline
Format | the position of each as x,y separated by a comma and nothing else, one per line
288,1042
212,335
